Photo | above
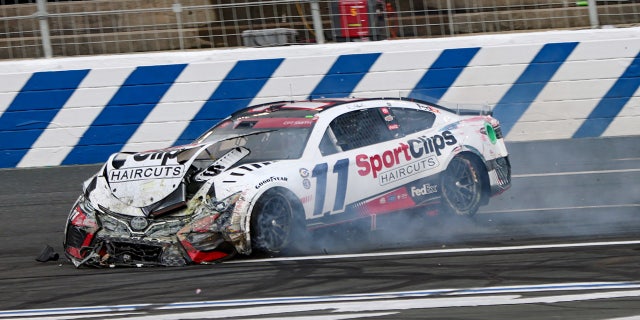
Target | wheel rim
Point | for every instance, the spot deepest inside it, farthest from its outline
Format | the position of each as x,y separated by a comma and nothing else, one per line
273,223
461,185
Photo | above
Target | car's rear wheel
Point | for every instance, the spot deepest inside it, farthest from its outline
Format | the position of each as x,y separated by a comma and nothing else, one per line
461,186
273,222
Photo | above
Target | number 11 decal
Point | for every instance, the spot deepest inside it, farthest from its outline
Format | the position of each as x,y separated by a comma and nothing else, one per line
320,173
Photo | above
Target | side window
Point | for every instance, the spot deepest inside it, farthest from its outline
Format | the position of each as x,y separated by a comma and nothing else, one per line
412,120
353,130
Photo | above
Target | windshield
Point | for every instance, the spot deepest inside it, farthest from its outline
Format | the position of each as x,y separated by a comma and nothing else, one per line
267,137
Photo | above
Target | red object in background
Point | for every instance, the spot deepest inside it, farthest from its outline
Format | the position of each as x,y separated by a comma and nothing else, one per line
354,18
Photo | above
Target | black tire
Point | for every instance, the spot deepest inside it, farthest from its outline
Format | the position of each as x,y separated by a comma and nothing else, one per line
273,222
461,185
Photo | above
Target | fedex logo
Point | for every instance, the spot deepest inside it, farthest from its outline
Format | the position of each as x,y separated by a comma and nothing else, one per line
426,189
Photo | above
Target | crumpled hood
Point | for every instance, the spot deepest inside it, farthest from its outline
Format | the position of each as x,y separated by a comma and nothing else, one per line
141,179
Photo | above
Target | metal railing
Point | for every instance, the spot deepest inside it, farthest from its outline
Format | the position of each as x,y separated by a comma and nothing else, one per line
35,28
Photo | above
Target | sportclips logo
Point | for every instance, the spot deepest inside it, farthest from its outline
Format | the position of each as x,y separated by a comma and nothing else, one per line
412,157
152,165
132,174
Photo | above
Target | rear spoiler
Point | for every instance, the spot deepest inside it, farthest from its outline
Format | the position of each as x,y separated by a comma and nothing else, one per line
472,112
466,109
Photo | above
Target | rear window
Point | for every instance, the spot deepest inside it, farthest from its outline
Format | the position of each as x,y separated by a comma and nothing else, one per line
412,120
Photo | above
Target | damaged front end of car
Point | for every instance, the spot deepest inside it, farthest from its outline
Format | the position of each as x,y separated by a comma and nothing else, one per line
207,231
186,226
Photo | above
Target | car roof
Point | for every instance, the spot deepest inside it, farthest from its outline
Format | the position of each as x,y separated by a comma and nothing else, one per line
305,105
317,105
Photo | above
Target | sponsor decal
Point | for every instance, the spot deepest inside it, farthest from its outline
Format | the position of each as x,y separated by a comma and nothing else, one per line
304,172
387,159
306,199
393,198
426,145
144,173
490,132
281,123
306,183
426,189
414,156
407,170
163,156
428,108
270,180
298,123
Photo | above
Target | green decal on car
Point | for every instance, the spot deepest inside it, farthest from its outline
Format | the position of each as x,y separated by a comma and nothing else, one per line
490,133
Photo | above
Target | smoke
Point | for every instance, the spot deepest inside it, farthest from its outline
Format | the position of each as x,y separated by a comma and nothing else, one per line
562,191
572,188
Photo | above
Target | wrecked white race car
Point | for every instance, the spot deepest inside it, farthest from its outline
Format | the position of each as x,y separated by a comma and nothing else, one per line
265,176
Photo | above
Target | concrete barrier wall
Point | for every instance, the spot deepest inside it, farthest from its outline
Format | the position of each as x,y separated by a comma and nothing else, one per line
547,85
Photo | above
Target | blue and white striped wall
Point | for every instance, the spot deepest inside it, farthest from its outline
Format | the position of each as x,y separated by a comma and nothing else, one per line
548,85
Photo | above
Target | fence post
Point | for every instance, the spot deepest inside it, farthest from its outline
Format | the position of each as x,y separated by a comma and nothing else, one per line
593,14
450,16
177,9
44,28
317,21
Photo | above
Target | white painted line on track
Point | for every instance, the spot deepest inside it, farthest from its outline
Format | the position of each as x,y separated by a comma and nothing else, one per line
441,251
349,315
77,312
605,206
548,287
357,303
100,315
572,173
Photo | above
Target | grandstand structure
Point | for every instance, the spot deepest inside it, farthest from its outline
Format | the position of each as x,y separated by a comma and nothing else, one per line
39,28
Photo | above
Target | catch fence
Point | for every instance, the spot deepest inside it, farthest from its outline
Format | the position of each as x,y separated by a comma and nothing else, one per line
37,28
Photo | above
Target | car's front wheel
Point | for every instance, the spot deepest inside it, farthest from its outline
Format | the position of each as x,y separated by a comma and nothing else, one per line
461,187
273,222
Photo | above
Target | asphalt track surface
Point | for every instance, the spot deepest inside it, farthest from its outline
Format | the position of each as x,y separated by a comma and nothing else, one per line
563,242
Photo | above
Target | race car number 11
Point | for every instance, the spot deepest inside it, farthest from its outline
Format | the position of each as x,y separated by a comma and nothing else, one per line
320,173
